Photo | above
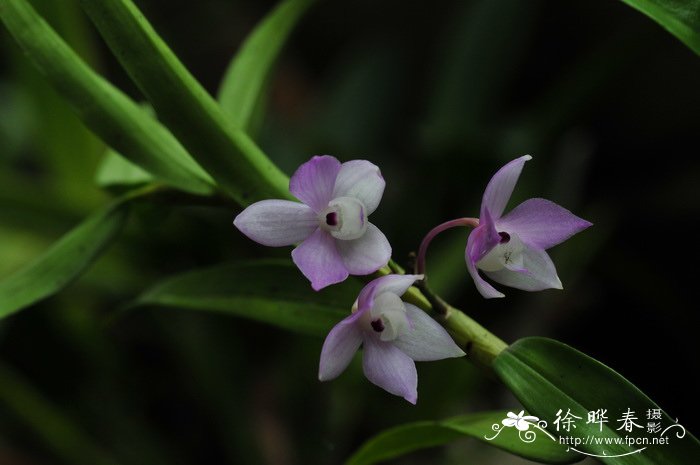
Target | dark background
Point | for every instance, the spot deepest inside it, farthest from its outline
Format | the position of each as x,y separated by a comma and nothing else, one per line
439,95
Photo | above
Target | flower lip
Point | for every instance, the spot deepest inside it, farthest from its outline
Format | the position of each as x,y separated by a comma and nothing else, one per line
344,218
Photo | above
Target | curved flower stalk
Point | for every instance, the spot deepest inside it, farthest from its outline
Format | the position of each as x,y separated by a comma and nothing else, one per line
510,249
393,334
332,226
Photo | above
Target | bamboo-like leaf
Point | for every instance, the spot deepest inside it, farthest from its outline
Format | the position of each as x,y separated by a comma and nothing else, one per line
248,73
67,258
680,18
534,444
269,291
227,153
119,121
546,376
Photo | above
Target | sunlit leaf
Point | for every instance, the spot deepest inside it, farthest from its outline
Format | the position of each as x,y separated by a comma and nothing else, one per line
546,376
269,291
115,170
680,17
182,104
119,121
533,444
248,73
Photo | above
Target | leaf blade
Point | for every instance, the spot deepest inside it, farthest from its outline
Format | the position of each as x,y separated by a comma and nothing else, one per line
680,18
248,73
545,374
119,121
64,261
228,154
410,437
268,291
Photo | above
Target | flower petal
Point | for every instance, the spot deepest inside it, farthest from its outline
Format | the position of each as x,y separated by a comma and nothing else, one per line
395,283
426,340
501,185
339,347
319,260
484,237
362,180
389,368
509,422
313,182
276,223
540,273
366,254
484,288
542,223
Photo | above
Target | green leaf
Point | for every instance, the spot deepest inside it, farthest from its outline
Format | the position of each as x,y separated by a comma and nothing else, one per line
227,153
115,170
248,73
269,291
119,121
546,376
410,437
680,17
67,258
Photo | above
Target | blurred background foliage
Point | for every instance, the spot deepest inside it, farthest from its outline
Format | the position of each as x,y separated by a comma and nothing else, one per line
439,96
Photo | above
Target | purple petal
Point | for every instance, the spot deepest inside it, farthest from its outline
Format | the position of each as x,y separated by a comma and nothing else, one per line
426,340
389,368
362,180
395,283
319,260
501,186
540,273
339,347
483,238
276,223
484,288
313,182
542,223
367,254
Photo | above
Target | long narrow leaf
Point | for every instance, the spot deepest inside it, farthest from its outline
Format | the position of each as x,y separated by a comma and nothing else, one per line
680,18
269,291
401,440
546,375
228,154
66,259
249,71
108,112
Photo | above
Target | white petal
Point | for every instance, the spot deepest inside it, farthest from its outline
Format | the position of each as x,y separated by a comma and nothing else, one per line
395,283
277,223
339,347
501,185
426,340
389,368
367,254
362,180
540,273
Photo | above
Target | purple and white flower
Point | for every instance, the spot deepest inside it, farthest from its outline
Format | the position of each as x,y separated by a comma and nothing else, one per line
336,238
393,334
510,249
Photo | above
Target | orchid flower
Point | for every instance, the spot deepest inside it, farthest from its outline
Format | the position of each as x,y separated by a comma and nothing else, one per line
336,239
393,334
510,249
